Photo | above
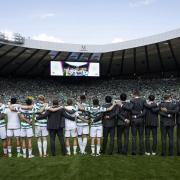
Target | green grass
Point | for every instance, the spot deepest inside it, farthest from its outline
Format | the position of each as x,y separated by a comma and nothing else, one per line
87,167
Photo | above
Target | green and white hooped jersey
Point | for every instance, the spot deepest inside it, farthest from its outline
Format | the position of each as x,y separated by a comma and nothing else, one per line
40,122
2,111
29,114
95,112
74,110
79,122
69,124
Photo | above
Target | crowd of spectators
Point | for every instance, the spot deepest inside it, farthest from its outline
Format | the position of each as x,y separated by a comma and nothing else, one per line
56,88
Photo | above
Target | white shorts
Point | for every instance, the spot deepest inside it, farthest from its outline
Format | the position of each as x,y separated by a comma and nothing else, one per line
96,131
82,130
27,132
71,133
70,124
41,131
3,132
13,132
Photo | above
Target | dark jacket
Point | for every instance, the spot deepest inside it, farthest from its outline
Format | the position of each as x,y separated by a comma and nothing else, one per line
138,111
111,122
151,116
123,112
178,114
56,119
168,118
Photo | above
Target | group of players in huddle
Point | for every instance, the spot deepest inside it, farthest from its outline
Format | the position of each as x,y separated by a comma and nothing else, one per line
78,118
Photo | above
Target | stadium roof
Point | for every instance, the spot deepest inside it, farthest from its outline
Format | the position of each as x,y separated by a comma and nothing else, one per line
155,54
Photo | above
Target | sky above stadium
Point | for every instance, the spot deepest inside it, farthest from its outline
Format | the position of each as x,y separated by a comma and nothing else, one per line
89,21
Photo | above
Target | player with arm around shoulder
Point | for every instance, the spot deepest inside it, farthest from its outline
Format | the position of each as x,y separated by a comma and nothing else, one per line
26,117
41,131
13,126
168,110
82,126
96,126
3,128
71,128
123,124
95,114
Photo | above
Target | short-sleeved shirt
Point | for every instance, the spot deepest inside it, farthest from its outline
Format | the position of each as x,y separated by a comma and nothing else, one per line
69,124
2,111
94,113
37,107
13,121
28,114
83,114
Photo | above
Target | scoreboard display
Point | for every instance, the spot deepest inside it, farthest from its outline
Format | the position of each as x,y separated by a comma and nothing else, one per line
77,64
62,68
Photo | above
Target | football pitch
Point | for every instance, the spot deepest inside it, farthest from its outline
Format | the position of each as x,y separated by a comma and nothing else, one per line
84,167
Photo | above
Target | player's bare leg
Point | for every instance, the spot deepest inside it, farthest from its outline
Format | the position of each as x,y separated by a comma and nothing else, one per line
80,142
30,147
39,143
84,143
93,146
9,147
44,139
98,146
68,146
24,147
4,144
18,146
75,145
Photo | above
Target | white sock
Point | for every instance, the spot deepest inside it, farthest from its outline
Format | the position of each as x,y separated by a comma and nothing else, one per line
93,148
18,149
68,149
45,146
84,143
80,143
5,150
75,149
9,149
24,151
30,152
98,148
39,146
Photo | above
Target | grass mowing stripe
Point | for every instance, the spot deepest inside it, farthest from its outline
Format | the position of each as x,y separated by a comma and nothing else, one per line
87,167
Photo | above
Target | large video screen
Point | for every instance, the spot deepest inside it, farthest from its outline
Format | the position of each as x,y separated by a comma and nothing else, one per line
65,68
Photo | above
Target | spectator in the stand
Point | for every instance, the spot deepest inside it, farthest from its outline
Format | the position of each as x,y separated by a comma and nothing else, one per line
19,87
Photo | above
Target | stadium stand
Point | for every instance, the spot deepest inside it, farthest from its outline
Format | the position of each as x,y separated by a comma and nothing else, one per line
62,89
